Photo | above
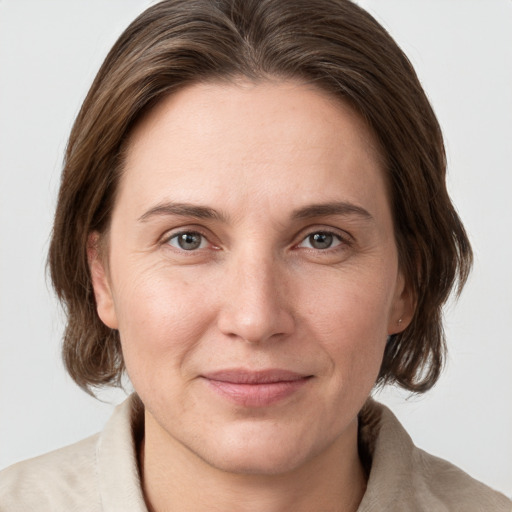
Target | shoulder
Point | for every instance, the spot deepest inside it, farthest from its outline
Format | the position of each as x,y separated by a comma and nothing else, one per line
442,483
404,477
98,473
64,479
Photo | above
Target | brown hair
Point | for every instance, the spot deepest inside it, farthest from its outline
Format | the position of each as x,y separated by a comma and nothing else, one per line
332,43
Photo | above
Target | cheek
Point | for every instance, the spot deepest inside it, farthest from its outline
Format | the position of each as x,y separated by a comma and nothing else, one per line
161,320
351,302
349,317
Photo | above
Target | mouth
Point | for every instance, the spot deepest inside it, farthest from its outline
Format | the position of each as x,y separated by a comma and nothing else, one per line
256,388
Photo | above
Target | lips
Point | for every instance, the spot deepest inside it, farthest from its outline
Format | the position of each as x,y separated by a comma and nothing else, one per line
256,388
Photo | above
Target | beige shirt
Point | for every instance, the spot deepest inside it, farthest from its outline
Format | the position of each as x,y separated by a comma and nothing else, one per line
100,473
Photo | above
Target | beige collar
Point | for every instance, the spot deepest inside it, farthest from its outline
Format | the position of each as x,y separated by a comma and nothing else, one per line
401,476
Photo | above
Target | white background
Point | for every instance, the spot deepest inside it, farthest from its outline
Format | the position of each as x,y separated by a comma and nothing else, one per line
462,50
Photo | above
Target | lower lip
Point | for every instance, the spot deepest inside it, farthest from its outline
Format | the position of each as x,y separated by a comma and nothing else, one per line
257,395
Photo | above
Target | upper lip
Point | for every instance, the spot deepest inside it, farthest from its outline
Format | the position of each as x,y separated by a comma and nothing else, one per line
242,376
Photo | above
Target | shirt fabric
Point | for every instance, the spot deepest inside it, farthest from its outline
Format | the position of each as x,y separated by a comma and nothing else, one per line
101,473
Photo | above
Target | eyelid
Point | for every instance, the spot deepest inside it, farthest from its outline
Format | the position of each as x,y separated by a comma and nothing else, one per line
345,237
170,234
176,236
338,241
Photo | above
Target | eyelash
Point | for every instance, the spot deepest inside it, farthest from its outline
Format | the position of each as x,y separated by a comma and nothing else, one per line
343,241
190,232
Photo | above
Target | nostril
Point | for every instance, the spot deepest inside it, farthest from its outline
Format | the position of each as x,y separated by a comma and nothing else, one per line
256,325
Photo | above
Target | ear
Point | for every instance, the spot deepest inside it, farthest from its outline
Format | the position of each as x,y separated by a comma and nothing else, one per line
101,282
403,307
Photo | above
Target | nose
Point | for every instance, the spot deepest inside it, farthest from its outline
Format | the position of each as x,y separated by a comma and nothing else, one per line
256,305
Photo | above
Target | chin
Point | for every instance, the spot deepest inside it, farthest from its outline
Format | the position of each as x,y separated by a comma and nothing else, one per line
262,453
263,463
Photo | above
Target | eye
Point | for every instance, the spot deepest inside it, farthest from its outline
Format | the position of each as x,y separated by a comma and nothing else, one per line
188,241
321,240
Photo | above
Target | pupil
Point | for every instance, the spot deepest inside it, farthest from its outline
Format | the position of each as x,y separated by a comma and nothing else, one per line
321,240
189,241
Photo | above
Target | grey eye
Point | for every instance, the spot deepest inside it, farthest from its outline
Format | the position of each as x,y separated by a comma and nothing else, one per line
188,241
321,240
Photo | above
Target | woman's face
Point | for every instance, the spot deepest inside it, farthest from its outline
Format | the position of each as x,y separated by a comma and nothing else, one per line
253,273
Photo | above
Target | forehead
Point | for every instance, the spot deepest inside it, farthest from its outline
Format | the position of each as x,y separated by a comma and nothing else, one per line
248,140
202,109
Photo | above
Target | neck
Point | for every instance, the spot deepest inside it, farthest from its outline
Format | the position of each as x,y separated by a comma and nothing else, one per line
174,478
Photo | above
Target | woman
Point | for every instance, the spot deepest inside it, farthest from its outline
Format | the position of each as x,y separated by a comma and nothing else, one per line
253,223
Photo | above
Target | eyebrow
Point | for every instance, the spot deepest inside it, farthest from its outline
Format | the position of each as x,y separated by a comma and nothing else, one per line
182,210
326,209
205,212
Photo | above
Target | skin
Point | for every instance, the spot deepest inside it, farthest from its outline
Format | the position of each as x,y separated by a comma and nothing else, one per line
258,292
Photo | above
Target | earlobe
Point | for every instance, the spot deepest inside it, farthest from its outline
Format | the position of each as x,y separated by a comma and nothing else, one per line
100,282
403,308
